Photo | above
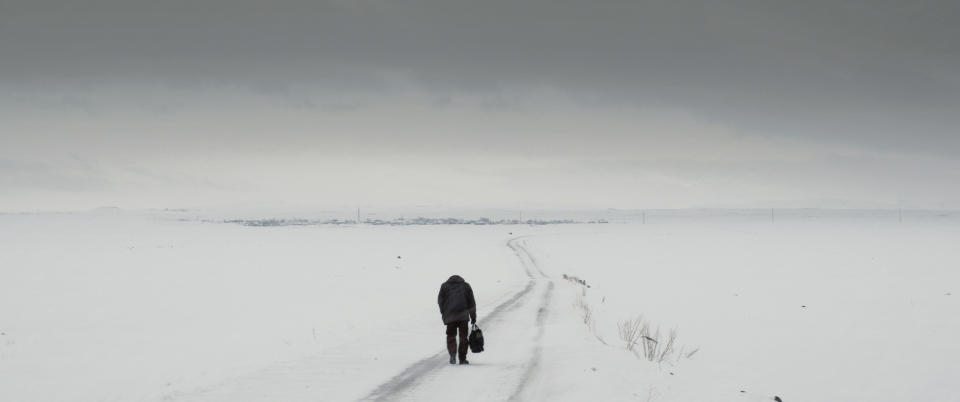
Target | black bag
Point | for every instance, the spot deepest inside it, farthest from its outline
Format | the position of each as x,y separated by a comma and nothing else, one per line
476,339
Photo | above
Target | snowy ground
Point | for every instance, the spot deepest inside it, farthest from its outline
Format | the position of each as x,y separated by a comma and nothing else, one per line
119,307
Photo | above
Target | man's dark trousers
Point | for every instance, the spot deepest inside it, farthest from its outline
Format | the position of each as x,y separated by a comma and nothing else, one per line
452,329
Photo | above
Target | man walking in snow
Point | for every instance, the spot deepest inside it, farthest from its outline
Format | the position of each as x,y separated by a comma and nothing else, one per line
457,305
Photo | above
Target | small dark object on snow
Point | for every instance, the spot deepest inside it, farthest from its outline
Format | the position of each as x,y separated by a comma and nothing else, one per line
671,373
804,306
777,398
398,257
476,339
742,391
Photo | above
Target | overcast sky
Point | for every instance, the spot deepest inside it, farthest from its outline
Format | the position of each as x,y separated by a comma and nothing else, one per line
517,104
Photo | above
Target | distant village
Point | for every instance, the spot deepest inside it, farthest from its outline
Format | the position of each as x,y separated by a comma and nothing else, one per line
407,222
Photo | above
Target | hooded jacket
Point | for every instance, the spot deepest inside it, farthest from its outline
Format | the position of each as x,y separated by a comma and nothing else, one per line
456,301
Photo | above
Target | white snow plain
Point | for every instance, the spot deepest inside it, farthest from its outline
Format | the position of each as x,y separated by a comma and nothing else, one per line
123,307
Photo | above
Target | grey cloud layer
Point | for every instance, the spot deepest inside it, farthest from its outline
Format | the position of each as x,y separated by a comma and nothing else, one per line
871,70
882,76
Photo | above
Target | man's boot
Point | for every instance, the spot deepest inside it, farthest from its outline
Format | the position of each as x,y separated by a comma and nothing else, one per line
452,349
462,351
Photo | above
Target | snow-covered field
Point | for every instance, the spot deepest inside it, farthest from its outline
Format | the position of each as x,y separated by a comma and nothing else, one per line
856,311
126,307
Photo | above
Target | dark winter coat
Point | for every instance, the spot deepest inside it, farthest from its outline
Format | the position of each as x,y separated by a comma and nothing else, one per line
456,301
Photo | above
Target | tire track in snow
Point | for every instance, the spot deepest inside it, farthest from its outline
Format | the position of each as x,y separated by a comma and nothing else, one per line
427,368
534,364
530,263
422,368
